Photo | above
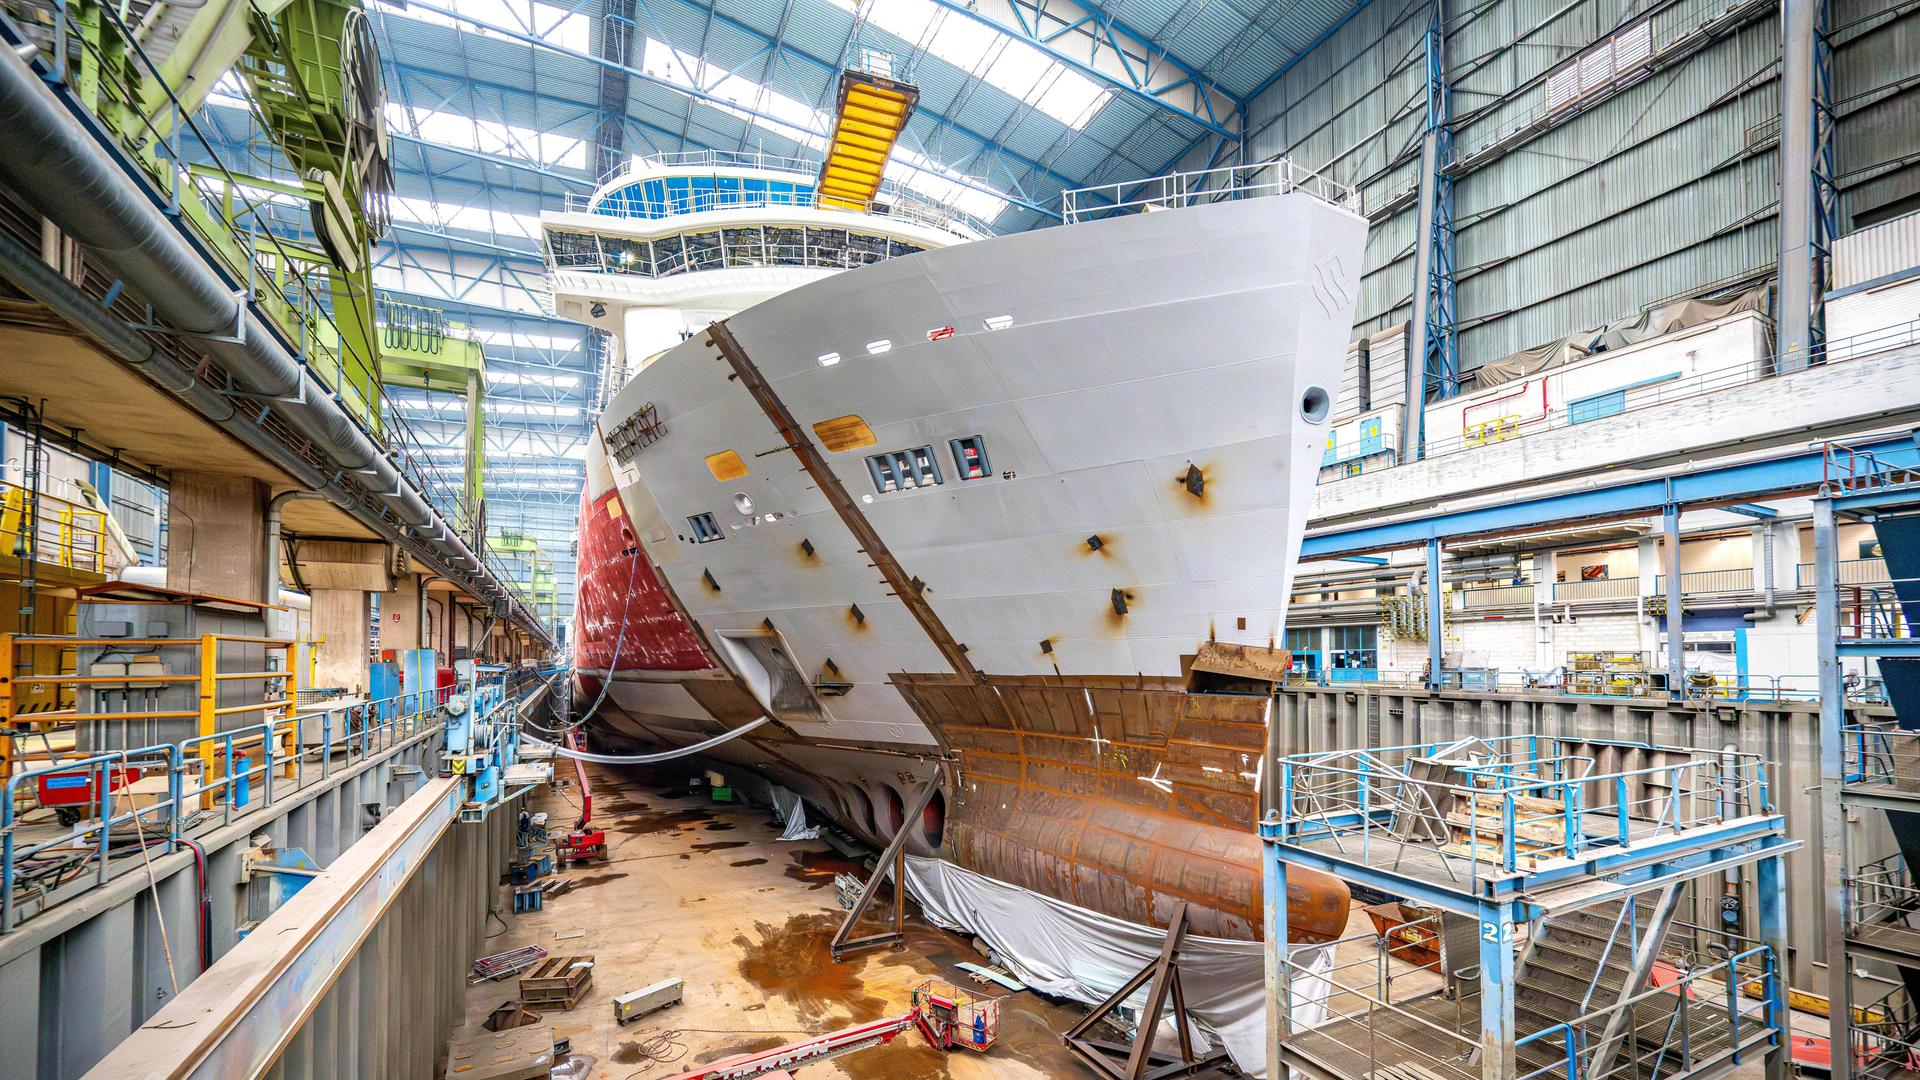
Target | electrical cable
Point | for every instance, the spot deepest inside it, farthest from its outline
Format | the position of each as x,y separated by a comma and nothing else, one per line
159,912
619,642
649,759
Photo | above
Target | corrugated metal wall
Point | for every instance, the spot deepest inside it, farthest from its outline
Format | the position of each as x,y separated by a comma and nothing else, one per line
1665,189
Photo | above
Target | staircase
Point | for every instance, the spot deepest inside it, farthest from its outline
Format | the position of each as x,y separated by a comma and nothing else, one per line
1581,963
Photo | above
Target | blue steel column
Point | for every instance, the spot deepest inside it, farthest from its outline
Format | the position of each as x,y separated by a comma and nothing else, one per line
1435,625
1273,882
1833,814
1772,885
1433,358
1807,212
1676,643
1496,992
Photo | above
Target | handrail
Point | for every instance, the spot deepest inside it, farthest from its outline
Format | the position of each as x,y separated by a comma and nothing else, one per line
238,759
60,531
1280,176
1357,794
1573,1034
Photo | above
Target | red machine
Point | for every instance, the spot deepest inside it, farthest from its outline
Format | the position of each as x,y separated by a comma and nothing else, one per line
947,1016
582,844
73,793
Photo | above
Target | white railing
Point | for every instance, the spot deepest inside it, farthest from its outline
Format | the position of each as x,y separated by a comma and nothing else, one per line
668,256
1623,588
894,201
1699,384
1279,177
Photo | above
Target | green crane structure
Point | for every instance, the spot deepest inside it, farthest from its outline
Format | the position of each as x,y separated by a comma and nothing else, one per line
310,70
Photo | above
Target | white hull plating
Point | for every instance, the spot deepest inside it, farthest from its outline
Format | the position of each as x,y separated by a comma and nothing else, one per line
1103,366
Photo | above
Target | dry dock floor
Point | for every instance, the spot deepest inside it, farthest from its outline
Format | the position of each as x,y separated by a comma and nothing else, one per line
708,893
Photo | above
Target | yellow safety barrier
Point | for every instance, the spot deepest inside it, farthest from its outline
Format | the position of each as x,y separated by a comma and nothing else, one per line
67,535
18,652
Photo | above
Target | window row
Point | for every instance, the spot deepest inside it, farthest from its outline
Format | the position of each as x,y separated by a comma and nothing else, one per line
669,195
715,249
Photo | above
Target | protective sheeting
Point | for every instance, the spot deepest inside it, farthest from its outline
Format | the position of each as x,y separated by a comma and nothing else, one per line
1677,316
1527,361
1071,952
1656,322
793,814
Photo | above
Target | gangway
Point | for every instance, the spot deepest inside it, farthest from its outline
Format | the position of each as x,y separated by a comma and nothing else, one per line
871,111
946,1016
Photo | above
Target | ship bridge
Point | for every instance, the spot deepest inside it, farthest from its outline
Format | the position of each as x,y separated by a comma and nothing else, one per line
667,243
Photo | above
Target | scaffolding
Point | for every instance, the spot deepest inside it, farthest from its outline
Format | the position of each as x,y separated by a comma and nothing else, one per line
1547,875
1870,772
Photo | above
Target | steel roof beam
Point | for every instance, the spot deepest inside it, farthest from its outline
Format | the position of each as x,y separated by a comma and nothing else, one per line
1206,102
832,69
715,100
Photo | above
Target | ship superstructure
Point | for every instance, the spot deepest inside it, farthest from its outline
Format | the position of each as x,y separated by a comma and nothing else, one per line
1015,517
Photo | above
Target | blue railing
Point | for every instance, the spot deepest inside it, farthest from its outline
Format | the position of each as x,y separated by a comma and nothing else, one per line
1520,799
1677,1050
246,759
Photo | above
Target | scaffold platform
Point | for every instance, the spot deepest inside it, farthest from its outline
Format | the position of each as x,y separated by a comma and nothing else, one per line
1550,876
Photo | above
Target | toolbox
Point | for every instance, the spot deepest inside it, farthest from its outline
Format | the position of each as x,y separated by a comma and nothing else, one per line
635,1004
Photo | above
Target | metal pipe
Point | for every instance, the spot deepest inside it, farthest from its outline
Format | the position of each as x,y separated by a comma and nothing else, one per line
55,165
58,168
273,538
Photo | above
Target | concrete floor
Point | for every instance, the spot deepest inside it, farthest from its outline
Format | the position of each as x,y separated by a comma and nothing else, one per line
708,893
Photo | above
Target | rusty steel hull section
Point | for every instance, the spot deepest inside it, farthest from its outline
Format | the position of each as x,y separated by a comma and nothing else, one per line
1126,796
1122,796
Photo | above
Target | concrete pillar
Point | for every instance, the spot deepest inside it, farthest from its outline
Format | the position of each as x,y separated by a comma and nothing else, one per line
1546,571
400,622
340,621
217,535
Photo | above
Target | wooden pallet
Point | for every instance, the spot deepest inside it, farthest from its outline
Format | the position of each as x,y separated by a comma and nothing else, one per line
558,982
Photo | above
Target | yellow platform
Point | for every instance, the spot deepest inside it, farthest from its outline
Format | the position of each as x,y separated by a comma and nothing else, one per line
872,112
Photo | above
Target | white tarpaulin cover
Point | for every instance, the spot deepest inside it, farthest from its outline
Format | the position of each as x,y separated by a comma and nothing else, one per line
1071,952
793,814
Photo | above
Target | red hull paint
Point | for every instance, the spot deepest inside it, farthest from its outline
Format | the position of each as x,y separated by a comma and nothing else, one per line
618,584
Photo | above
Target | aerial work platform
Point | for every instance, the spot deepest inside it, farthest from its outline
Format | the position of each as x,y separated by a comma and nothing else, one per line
1549,875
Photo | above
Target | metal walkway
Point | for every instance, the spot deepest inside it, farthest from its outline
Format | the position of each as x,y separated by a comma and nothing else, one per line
1561,866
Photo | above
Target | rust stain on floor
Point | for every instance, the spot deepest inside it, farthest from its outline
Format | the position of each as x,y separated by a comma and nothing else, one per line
790,960
816,869
749,936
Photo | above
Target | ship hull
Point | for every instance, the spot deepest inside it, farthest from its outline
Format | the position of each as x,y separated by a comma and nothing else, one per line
1145,401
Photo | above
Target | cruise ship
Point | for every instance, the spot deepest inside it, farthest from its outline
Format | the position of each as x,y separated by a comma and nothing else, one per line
1016,516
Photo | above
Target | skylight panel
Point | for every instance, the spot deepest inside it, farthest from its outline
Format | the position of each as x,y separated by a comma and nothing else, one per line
471,218
562,26
1000,59
488,136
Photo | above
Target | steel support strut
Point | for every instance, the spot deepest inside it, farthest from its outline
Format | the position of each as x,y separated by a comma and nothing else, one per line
1833,813
1675,598
893,858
